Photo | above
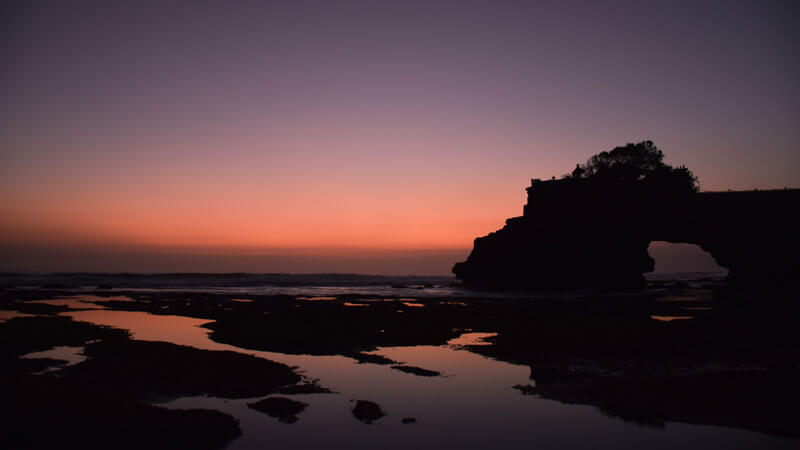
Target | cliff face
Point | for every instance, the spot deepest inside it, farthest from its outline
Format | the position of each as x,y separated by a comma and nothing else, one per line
755,234
582,233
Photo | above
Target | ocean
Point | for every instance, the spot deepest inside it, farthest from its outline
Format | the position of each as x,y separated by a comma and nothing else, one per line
314,284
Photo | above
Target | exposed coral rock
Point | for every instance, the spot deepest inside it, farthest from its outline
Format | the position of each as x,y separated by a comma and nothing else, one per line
281,408
367,411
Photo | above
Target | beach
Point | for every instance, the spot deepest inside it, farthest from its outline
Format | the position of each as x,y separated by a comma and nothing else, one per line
394,363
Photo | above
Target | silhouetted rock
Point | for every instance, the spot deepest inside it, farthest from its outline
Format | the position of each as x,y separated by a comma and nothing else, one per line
418,371
526,389
45,412
41,411
367,411
281,408
548,375
594,230
164,369
21,335
364,358
408,420
355,330
305,388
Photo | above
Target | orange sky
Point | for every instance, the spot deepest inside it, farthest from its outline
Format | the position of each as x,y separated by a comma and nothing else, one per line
255,208
271,125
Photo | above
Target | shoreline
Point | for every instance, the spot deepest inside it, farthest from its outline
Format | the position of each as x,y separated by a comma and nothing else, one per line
729,364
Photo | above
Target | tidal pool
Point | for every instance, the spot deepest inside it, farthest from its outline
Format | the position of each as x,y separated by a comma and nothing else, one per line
471,405
6,315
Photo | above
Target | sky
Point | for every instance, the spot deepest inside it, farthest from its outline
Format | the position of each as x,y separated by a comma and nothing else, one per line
135,134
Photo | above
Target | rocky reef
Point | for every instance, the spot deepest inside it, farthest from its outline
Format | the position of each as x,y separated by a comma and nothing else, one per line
592,228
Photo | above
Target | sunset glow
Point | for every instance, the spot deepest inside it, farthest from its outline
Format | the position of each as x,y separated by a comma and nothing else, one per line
361,126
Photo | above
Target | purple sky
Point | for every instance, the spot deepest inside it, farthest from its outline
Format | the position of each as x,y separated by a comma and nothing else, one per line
382,125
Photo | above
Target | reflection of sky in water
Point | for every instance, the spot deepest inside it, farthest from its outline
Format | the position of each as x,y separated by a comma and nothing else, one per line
670,318
471,339
414,305
472,406
351,304
6,315
148,327
72,355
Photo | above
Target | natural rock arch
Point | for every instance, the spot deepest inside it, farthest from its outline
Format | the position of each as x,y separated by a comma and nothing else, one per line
589,232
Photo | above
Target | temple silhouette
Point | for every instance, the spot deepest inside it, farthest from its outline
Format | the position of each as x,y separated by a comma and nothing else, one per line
592,228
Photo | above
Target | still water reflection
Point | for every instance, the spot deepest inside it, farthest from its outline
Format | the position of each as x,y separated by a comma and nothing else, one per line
472,405
65,354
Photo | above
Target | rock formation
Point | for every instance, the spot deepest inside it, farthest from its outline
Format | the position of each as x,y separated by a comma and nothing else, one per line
589,229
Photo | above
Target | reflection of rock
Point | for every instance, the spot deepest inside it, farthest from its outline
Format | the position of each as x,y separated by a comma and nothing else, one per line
418,371
408,420
730,366
593,233
367,411
282,408
703,398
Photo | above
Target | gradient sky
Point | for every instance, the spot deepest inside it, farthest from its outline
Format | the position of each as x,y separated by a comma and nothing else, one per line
282,127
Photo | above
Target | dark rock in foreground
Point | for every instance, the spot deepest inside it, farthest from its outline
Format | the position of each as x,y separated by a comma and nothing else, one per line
367,411
144,368
305,388
526,389
40,412
22,335
367,358
281,408
732,365
69,411
354,332
418,371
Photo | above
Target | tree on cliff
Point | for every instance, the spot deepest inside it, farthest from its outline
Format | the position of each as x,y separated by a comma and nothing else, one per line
642,161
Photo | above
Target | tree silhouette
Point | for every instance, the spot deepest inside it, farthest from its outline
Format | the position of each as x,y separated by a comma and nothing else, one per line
640,162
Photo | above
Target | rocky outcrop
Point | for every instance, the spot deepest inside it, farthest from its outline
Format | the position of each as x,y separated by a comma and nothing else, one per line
583,232
755,234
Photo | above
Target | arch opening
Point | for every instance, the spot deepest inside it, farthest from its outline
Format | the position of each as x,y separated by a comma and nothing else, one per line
681,259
